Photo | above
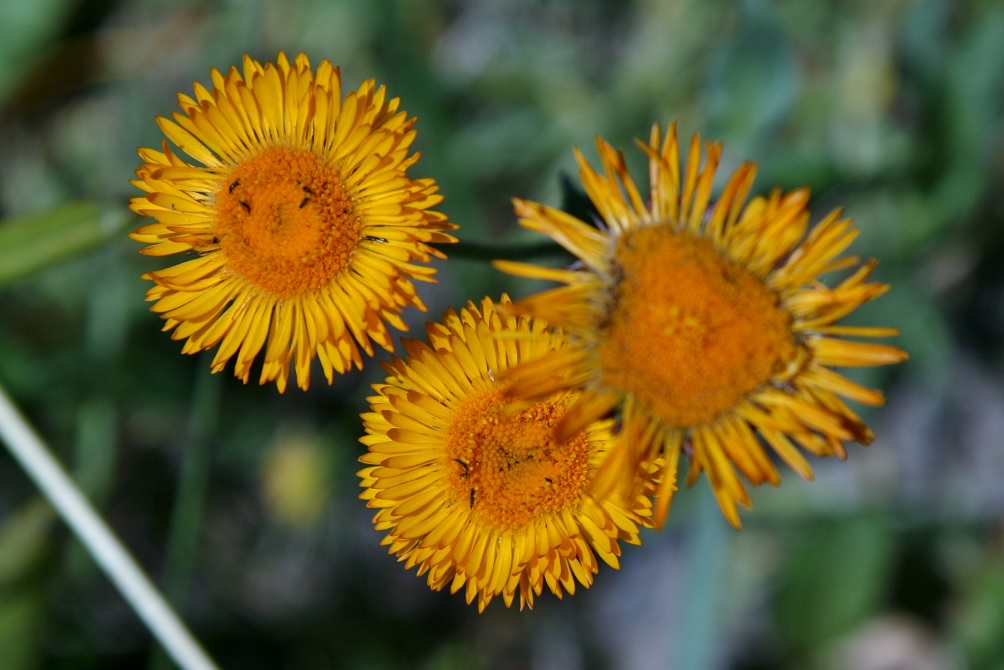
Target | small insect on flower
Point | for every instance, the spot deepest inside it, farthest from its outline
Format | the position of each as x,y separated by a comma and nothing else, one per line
302,230
480,498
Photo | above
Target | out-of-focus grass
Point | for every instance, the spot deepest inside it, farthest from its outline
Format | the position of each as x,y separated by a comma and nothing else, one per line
892,110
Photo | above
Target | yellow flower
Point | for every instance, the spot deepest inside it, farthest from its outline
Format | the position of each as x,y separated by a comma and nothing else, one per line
482,499
299,224
703,325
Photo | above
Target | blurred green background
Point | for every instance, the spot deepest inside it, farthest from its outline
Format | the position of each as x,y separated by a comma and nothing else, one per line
242,503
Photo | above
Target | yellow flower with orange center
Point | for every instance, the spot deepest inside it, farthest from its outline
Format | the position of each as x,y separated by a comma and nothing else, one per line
302,226
480,497
703,325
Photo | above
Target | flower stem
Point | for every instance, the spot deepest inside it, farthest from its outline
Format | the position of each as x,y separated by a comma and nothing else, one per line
480,251
186,517
93,532
710,547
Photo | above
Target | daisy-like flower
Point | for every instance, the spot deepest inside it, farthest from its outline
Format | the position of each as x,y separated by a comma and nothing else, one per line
703,325
300,226
481,498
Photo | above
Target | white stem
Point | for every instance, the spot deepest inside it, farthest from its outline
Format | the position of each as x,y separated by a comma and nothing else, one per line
99,540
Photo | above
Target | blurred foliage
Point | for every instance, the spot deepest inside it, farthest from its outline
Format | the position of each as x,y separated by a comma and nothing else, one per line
840,568
242,502
33,242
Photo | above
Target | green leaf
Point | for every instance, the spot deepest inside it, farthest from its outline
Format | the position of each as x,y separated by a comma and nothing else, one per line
978,617
754,80
33,242
26,553
25,537
25,28
835,575
21,616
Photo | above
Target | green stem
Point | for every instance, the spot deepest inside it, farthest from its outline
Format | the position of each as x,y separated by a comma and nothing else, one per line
708,552
120,567
479,251
186,516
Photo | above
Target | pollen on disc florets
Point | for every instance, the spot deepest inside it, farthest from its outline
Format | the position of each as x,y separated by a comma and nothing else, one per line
285,221
509,469
691,332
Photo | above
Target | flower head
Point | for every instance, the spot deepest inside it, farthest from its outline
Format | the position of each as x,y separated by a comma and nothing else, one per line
301,227
703,324
479,497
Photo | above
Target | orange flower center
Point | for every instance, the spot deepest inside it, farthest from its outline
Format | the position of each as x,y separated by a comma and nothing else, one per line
692,332
285,222
509,471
